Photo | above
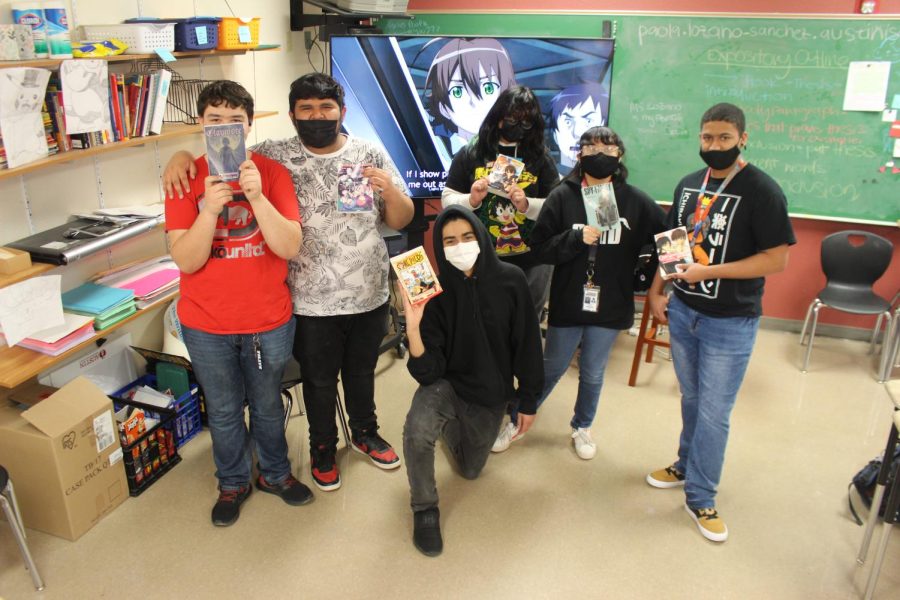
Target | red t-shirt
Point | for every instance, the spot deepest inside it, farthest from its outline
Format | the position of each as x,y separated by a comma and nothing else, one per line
242,287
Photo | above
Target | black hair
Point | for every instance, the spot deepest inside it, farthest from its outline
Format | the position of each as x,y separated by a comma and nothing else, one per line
499,203
520,103
661,242
728,113
603,135
318,86
229,93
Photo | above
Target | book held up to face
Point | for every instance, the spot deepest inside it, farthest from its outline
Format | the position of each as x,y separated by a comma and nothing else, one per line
673,249
417,277
504,174
225,150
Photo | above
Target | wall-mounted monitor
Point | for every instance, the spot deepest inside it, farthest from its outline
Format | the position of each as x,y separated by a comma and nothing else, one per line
423,98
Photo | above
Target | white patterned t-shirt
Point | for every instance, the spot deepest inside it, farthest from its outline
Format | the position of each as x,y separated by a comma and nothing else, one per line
342,266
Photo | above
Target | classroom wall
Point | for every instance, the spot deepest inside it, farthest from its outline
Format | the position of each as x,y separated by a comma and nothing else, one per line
788,294
738,6
45,198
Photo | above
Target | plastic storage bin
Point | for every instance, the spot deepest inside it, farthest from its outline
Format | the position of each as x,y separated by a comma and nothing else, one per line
236,33
188,420
151,455
142,38
197,33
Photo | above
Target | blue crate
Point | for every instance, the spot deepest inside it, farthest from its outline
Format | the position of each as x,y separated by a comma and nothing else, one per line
187,409
189,33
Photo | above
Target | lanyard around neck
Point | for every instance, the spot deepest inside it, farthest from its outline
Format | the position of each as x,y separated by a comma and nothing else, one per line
701,210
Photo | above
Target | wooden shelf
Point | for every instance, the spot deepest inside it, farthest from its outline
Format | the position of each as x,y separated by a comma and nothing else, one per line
18,365
33,271
53,63
169,131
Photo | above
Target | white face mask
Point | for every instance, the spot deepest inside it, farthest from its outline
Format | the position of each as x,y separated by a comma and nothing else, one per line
463,255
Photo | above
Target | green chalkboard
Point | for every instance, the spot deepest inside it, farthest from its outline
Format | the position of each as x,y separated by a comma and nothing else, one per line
788,75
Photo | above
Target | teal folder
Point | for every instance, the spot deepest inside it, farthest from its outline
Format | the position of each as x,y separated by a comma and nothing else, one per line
94,299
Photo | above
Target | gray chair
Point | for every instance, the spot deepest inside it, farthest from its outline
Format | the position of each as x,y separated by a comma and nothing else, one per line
850,272
11,509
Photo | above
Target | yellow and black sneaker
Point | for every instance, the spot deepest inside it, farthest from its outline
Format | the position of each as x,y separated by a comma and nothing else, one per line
666,478
709,523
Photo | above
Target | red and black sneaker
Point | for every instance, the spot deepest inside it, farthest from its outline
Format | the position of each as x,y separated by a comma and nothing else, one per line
376,448
324,469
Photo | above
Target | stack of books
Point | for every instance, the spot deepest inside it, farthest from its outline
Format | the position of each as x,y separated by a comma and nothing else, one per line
54,341
106,305
151,281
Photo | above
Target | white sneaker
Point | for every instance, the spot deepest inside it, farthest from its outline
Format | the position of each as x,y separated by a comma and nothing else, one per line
507,435
584,446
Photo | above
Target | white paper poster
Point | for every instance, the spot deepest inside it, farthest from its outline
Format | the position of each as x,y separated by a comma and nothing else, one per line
867,84
85,95
21,98
30,306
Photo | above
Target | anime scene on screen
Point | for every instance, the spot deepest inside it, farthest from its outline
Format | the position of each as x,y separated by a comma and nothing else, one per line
424,98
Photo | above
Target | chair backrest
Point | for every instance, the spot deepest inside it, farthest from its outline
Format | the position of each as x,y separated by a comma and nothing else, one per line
842,262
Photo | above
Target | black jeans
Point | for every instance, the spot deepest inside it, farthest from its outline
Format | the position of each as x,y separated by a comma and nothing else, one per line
345,344
469,430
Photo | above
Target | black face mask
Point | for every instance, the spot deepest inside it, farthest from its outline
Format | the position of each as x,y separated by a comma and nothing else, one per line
720,159
512,134
599,166
316,133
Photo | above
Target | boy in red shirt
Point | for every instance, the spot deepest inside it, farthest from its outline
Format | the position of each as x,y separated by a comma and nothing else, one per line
231,241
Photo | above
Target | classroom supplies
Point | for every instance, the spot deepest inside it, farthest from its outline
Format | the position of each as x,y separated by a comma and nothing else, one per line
31,14
93,299
59,43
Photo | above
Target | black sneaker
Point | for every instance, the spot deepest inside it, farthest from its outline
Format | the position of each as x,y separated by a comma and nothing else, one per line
324,469
290,490
427,532
376,448
228,507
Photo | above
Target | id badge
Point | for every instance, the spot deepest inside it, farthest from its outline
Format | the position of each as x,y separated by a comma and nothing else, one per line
591,300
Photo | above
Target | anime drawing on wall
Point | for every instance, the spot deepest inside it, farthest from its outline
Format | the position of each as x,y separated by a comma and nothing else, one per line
573,111
463,81
423,98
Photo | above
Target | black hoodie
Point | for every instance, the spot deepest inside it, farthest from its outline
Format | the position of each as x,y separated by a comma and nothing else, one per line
481,331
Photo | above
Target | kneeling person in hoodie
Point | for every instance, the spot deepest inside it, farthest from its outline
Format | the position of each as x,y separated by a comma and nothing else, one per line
467,347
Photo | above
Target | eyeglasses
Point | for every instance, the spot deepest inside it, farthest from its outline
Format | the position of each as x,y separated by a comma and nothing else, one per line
592,149
526,125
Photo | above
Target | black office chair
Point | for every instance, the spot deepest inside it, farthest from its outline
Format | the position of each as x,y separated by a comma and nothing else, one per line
850,271
14,518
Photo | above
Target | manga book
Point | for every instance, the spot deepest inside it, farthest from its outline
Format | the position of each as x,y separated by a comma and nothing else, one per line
225,150
416,275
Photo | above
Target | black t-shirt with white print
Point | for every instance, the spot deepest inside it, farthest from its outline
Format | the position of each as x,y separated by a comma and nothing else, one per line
749,216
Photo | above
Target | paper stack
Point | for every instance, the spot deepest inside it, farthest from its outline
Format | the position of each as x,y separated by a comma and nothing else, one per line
107,305
56,340
152,280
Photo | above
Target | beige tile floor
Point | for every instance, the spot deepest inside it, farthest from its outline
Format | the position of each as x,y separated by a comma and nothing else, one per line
539,523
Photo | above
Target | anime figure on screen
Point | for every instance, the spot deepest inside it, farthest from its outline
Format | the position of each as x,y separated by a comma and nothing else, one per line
573,111
463,82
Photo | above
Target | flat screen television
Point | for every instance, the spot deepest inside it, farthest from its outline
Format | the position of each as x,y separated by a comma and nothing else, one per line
423,98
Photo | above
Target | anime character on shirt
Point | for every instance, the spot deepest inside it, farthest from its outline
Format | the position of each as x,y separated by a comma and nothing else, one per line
509,239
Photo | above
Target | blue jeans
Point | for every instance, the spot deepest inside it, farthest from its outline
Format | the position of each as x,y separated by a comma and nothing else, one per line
596,344
711,355
227,369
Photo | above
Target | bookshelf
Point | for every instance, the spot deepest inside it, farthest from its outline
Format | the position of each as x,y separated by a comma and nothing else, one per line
53,63
18,365
169,131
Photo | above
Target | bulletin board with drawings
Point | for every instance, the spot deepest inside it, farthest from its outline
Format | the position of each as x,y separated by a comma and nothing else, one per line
788,74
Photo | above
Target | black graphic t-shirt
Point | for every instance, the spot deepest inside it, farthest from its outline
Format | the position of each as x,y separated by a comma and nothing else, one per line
749,216
510,230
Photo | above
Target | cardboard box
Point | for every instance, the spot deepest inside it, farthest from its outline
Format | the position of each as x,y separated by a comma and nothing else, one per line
31,393
63,456
13,261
